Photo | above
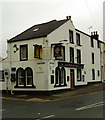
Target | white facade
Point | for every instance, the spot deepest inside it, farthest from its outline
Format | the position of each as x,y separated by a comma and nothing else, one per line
45,70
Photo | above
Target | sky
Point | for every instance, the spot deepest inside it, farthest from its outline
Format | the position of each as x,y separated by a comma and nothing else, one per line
19,15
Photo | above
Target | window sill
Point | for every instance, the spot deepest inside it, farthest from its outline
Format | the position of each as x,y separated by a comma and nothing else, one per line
60,85
25,86
23,59
72,42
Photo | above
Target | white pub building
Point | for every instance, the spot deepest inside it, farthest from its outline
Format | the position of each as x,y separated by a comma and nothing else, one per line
51,56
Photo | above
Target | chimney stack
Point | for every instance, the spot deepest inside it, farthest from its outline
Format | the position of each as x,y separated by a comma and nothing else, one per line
68,17
95,35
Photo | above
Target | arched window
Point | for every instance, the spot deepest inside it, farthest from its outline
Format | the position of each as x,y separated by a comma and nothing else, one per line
29,76
63,76
20,77
57,76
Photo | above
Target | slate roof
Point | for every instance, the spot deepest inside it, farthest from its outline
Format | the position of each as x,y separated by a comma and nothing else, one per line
40,30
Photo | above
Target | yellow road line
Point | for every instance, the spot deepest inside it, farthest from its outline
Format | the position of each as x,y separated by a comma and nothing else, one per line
48,100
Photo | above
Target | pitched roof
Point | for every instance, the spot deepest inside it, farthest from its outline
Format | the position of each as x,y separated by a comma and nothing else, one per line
40,30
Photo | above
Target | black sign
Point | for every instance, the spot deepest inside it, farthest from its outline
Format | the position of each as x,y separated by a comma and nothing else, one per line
71,65
57,51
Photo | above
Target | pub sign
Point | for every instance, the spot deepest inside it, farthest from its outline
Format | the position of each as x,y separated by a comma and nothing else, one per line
57,51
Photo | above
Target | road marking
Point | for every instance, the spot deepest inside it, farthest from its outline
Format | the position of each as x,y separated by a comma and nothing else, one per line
46,117
91,106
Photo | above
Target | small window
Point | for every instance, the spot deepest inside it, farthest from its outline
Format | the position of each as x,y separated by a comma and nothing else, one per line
29,76
71,36
78,39
52,79
78,74
23,52
98,44
78,56
2,75
98,73
92,58
37,51
93,74
92,42
71,55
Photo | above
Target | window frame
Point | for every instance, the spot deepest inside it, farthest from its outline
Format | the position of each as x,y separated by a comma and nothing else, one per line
93,74
79,56
92,42
39,47
79,71
71,38
93,58
71,56
21,58
2,75
78,36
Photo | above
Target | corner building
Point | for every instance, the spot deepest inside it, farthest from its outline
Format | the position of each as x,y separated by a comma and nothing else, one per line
52,56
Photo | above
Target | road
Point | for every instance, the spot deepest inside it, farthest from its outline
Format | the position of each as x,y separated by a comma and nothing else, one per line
80,106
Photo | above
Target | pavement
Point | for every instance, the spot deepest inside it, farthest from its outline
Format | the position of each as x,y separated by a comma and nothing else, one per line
54,96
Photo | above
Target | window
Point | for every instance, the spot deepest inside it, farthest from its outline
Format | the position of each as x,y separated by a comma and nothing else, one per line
29,76
71,36
24,78
93,74
21,77
78,39
98,73
71,55
23,52
92,58
37,51
63,77
57,76
52,79
98,44
92,42
2,75
78,74
59,53
78,56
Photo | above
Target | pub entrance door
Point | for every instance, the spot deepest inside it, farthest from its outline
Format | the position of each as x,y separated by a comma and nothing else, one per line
72,78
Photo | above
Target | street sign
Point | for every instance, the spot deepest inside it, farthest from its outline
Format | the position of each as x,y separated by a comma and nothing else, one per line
6,73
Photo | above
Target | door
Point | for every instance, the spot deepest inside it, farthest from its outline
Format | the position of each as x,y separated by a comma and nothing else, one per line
72,78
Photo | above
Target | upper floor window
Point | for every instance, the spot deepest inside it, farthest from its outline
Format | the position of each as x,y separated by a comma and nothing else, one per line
23,52
37,51
92,42
59,52
78,39
98,44
71,36
78,56
92,58
71,55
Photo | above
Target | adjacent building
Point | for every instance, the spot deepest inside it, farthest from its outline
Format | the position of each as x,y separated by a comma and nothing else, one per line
52,56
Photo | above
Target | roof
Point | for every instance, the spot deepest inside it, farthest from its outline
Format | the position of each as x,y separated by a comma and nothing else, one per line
40,30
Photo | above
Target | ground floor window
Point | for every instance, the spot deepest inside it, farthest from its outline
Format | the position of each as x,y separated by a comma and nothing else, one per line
93,74
60,77
78,74
2,75
24,78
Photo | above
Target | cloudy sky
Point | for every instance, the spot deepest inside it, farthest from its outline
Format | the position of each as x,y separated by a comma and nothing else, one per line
18,15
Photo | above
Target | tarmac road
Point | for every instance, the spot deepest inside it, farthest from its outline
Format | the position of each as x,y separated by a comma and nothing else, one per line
69,106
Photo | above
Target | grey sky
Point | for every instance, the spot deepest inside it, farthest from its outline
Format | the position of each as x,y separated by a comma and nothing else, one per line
19,15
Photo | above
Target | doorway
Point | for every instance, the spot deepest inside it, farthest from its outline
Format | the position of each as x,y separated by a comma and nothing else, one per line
72,78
